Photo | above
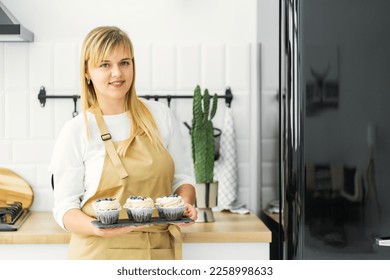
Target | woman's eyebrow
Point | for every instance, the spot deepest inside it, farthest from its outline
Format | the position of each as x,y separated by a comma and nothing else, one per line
107,60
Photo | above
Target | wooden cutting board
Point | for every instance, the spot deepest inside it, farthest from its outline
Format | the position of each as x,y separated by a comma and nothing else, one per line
15,188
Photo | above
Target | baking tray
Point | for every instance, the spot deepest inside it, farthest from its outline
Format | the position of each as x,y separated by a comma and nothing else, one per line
153,221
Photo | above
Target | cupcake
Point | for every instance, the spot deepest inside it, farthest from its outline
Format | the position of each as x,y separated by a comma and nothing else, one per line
107,210
170,207
139,208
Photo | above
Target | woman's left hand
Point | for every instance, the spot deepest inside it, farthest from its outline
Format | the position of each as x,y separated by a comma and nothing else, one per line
187,192
190,212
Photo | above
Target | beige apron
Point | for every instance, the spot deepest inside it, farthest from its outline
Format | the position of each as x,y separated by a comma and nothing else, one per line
144,171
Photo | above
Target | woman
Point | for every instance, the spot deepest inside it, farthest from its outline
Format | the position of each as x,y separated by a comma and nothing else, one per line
122,146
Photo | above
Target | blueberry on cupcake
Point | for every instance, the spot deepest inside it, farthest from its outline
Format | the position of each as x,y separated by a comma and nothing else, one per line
139,208
107,210
170,207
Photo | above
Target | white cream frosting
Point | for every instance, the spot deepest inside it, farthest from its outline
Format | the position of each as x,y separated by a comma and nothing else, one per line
106,205
170,202
146,202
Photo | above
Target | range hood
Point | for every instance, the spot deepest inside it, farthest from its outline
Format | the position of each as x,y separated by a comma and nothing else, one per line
10,28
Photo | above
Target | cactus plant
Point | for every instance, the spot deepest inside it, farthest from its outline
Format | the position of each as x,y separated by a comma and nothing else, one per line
202,135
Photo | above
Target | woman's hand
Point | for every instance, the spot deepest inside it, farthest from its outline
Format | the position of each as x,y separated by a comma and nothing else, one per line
187,192
190,212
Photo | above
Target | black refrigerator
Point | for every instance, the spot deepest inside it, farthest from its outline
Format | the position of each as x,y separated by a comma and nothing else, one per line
334,99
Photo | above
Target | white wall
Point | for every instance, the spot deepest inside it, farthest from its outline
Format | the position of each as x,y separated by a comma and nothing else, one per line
268,36
178,44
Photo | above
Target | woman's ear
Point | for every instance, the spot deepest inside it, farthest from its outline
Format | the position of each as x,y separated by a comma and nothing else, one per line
88,78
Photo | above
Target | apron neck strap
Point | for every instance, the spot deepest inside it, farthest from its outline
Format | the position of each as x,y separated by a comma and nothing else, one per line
106,138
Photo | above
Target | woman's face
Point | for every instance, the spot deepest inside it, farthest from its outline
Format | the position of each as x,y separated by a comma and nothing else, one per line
112,77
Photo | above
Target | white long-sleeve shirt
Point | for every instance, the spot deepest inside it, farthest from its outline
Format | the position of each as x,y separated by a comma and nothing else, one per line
77,163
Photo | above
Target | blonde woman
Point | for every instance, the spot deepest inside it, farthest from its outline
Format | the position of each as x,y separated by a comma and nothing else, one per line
120,146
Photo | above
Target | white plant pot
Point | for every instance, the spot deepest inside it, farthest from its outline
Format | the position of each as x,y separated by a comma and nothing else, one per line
206,198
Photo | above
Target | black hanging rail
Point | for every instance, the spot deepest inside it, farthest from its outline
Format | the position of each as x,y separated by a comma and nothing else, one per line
228,97
42,98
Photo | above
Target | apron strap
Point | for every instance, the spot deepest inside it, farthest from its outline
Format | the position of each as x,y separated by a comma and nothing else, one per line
176,233
110,148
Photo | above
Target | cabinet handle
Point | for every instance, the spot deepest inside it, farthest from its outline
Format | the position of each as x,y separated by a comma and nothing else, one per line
383,241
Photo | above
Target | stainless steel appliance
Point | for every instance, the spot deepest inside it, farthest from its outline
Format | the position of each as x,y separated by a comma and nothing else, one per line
12,216
334,129
16,196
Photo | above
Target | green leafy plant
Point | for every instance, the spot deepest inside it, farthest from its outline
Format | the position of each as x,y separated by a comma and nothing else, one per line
202,135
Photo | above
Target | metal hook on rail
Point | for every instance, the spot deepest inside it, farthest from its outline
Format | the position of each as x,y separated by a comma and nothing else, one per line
75,113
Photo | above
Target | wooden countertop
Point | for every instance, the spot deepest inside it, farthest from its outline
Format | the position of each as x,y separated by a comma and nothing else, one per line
40,228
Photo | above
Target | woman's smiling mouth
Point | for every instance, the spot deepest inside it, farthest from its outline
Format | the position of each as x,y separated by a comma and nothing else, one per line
116,83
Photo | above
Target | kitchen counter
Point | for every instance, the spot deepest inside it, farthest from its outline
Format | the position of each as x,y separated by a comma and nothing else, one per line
234,231
271,220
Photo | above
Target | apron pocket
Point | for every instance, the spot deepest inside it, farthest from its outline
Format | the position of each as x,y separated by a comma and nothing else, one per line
127,254
140,254
162,254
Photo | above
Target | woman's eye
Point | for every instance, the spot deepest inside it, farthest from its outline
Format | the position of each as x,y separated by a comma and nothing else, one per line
104,65
125,63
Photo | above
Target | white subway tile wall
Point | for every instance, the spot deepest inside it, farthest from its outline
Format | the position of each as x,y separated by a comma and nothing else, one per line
16,121
238,66
269,79
5,151
164,62
213,65
2,97
143,63
41,66
66,66
215,52
188,66
1,89
16,58
30,130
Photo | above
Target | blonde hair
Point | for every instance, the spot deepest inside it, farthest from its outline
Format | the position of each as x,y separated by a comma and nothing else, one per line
98,44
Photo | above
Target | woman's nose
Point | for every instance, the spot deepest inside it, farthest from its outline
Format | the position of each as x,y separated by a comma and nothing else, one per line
115,71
